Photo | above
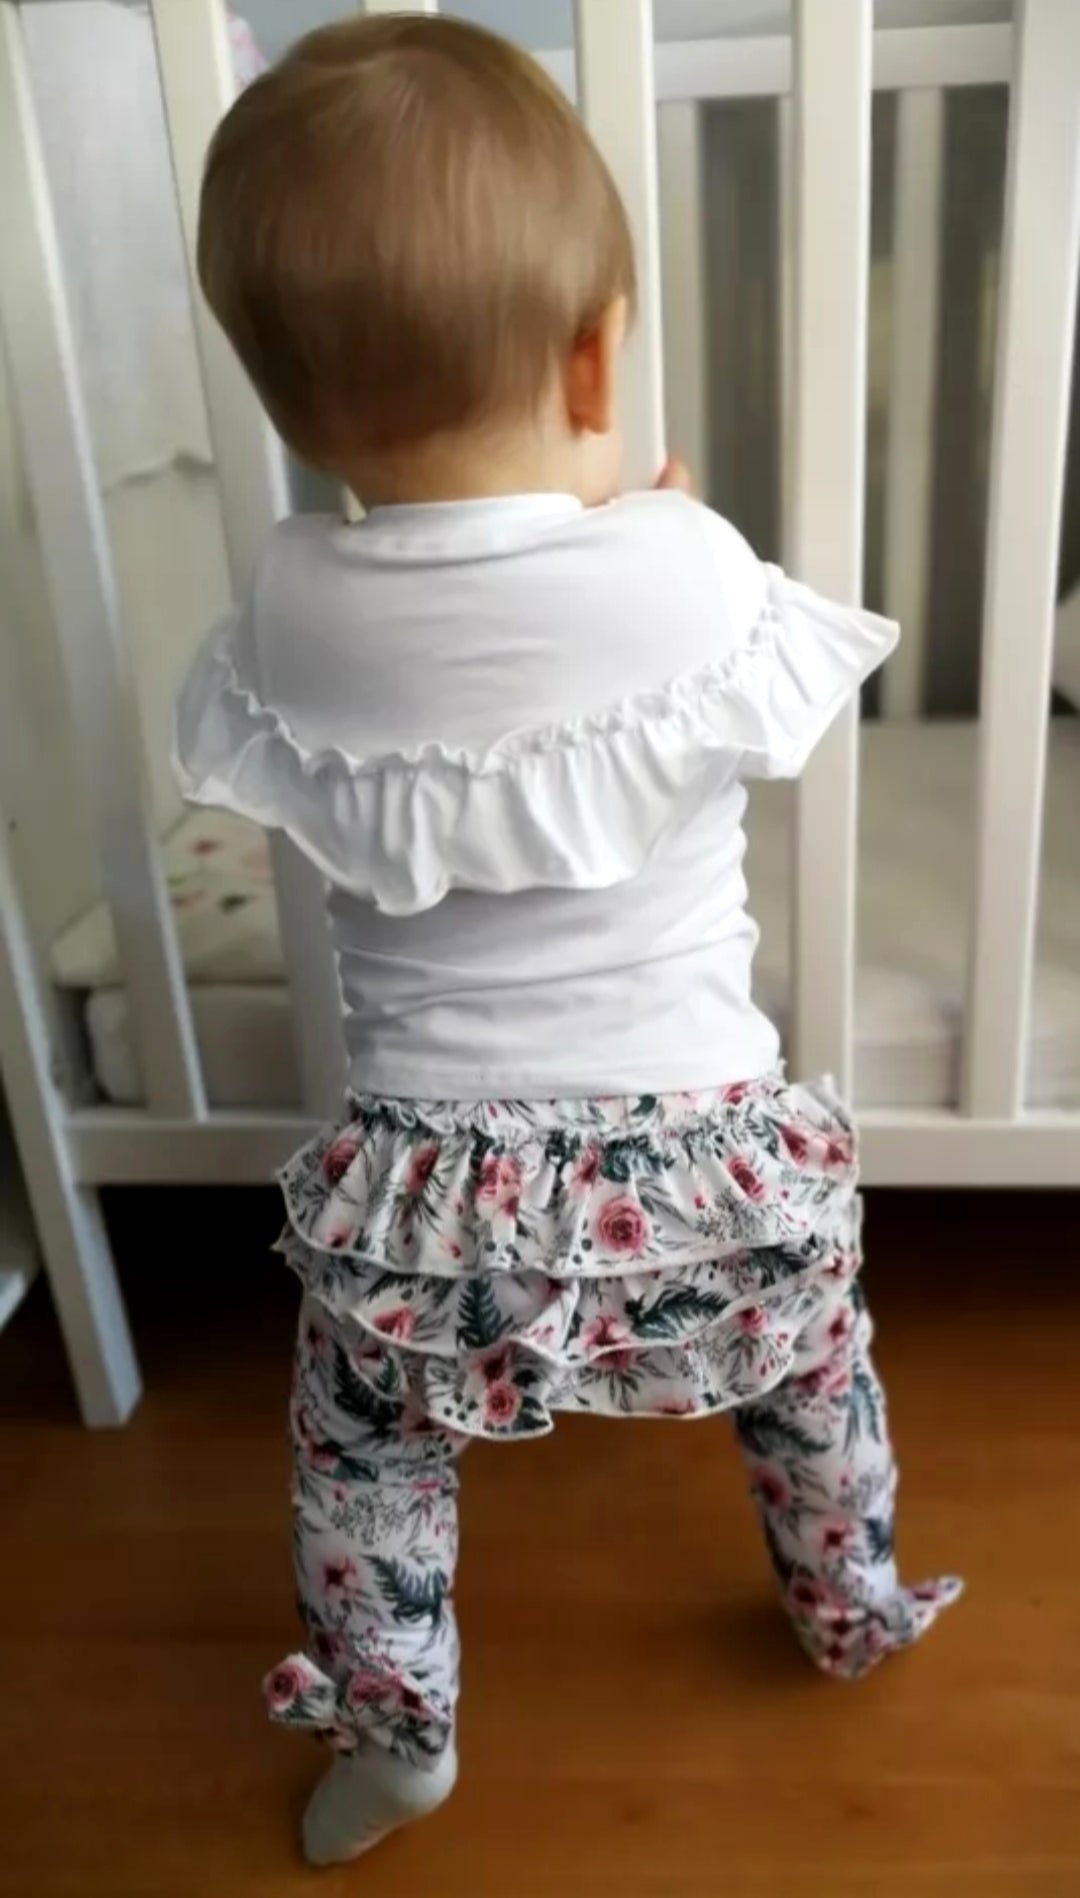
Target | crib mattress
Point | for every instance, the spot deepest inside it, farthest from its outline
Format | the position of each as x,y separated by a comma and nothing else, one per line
916,867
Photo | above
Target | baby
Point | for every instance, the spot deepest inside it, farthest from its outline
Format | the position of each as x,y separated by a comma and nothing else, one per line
510,716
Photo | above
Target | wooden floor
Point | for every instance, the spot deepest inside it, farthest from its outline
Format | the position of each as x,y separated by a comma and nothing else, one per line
636,1719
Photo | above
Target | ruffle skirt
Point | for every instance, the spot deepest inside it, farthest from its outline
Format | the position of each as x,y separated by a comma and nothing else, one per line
495,1263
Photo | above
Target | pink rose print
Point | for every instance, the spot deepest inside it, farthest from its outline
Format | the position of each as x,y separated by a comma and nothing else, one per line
500,1183
807,1593
604,1334
285,1685
494,1364
364,1687
585,1171
753,1322
339,1576
772,1487
611,1342
737,1092
797,1144
399,1323
840,1151
338,1158
836,1537
502,1402
746,1180
621,1225
421,1167
841,1325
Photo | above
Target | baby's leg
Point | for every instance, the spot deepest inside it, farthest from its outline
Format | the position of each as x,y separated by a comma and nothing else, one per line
375,1534
822,1468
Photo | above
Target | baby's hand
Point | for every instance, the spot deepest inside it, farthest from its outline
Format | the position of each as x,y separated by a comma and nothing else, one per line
676,474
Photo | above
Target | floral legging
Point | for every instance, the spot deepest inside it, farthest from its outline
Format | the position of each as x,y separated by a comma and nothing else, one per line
375,1497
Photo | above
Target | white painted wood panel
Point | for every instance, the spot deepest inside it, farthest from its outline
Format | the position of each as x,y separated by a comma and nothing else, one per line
920,129
198,85
762,68
1031,400
832,218
66,1212
682,252
618,103
897,1148
49,408
785,334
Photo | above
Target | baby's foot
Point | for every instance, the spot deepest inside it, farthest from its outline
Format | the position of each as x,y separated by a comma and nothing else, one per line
847,1641
365,1795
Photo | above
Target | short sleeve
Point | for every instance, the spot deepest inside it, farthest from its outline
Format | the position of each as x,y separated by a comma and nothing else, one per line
798,657
580,804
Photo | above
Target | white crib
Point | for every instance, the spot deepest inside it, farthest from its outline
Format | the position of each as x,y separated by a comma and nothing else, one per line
829,65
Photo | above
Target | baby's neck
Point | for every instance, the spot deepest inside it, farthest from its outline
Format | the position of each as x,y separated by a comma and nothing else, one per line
476,468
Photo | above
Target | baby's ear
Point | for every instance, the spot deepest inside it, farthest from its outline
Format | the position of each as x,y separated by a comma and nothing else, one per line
676,474
591,374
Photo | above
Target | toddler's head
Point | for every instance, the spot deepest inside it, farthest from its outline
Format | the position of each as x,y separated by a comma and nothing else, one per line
423,263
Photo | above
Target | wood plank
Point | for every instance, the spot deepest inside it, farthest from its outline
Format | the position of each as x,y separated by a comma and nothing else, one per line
611,1568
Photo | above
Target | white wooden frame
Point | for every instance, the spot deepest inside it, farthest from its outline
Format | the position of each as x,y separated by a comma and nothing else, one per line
68,1152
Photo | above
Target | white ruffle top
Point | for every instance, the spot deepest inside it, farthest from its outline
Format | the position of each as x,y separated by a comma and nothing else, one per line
513,736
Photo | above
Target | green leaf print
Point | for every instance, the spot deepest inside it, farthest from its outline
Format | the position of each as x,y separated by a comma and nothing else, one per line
357,1398
412,1596
480,1323
671,1313
879,1537
621,1161
864,1408
765,1433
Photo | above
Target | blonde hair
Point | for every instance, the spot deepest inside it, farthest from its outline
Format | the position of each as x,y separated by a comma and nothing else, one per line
404,227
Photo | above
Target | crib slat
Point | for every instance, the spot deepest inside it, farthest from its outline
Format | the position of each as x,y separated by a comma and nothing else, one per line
48,402
1035,347
197,83
832,204
785,328
682,251
617,94
909,473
